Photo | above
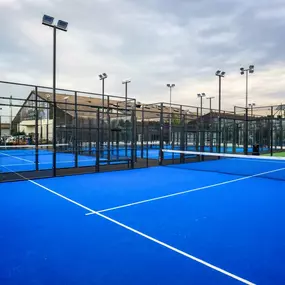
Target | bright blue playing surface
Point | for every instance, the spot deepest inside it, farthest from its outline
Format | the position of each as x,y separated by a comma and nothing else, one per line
238,227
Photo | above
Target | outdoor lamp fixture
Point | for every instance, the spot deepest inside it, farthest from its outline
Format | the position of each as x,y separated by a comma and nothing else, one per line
201,106
220,74
246,71
102,77
170,86
61,25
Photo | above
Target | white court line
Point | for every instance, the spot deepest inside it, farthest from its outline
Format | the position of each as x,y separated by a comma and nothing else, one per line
207,264
184,192
41,163
2,153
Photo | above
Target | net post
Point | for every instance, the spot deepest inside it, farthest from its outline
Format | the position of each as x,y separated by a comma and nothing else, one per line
98,142
76,131
161,155
36,129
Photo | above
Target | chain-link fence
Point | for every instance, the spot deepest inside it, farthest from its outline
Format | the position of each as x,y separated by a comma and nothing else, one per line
46,134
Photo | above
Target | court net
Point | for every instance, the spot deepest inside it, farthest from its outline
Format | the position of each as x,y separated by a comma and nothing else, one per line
233,164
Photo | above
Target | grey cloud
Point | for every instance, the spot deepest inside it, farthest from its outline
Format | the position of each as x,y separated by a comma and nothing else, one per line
154,42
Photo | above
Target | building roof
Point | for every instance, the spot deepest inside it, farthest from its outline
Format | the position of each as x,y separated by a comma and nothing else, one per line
85,106
5,126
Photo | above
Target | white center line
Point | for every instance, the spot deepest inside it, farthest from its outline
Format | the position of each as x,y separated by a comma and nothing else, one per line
205,263
184,192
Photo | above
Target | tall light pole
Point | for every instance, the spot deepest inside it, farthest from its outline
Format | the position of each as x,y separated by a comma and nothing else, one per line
62,26
250,69
0,125
220,74
47,131
102,77
170,86
65,117
210,124
11,114
201,120
210,99
251,105
126,82
201,102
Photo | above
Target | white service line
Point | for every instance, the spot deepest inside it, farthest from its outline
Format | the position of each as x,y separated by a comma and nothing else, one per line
183,192
144,235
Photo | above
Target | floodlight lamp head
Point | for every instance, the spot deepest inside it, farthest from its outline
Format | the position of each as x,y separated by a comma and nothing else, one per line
47,20
241,69
223,73
126,81
198,95
62,25
172,85
100,76
168,85
251,71
251,67
105,75
242,72
218,72
203,94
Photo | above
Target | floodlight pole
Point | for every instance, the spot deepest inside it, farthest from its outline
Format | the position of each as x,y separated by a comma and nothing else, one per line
126,82
170,110
211,116
250,69
11,115
220,75
246,88
170,115
48,21
0,125
210,98
202,138
54,102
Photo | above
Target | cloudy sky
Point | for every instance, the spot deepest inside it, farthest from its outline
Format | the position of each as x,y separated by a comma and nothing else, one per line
153,42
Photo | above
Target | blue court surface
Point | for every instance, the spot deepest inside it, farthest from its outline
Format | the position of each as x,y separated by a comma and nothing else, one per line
160,225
